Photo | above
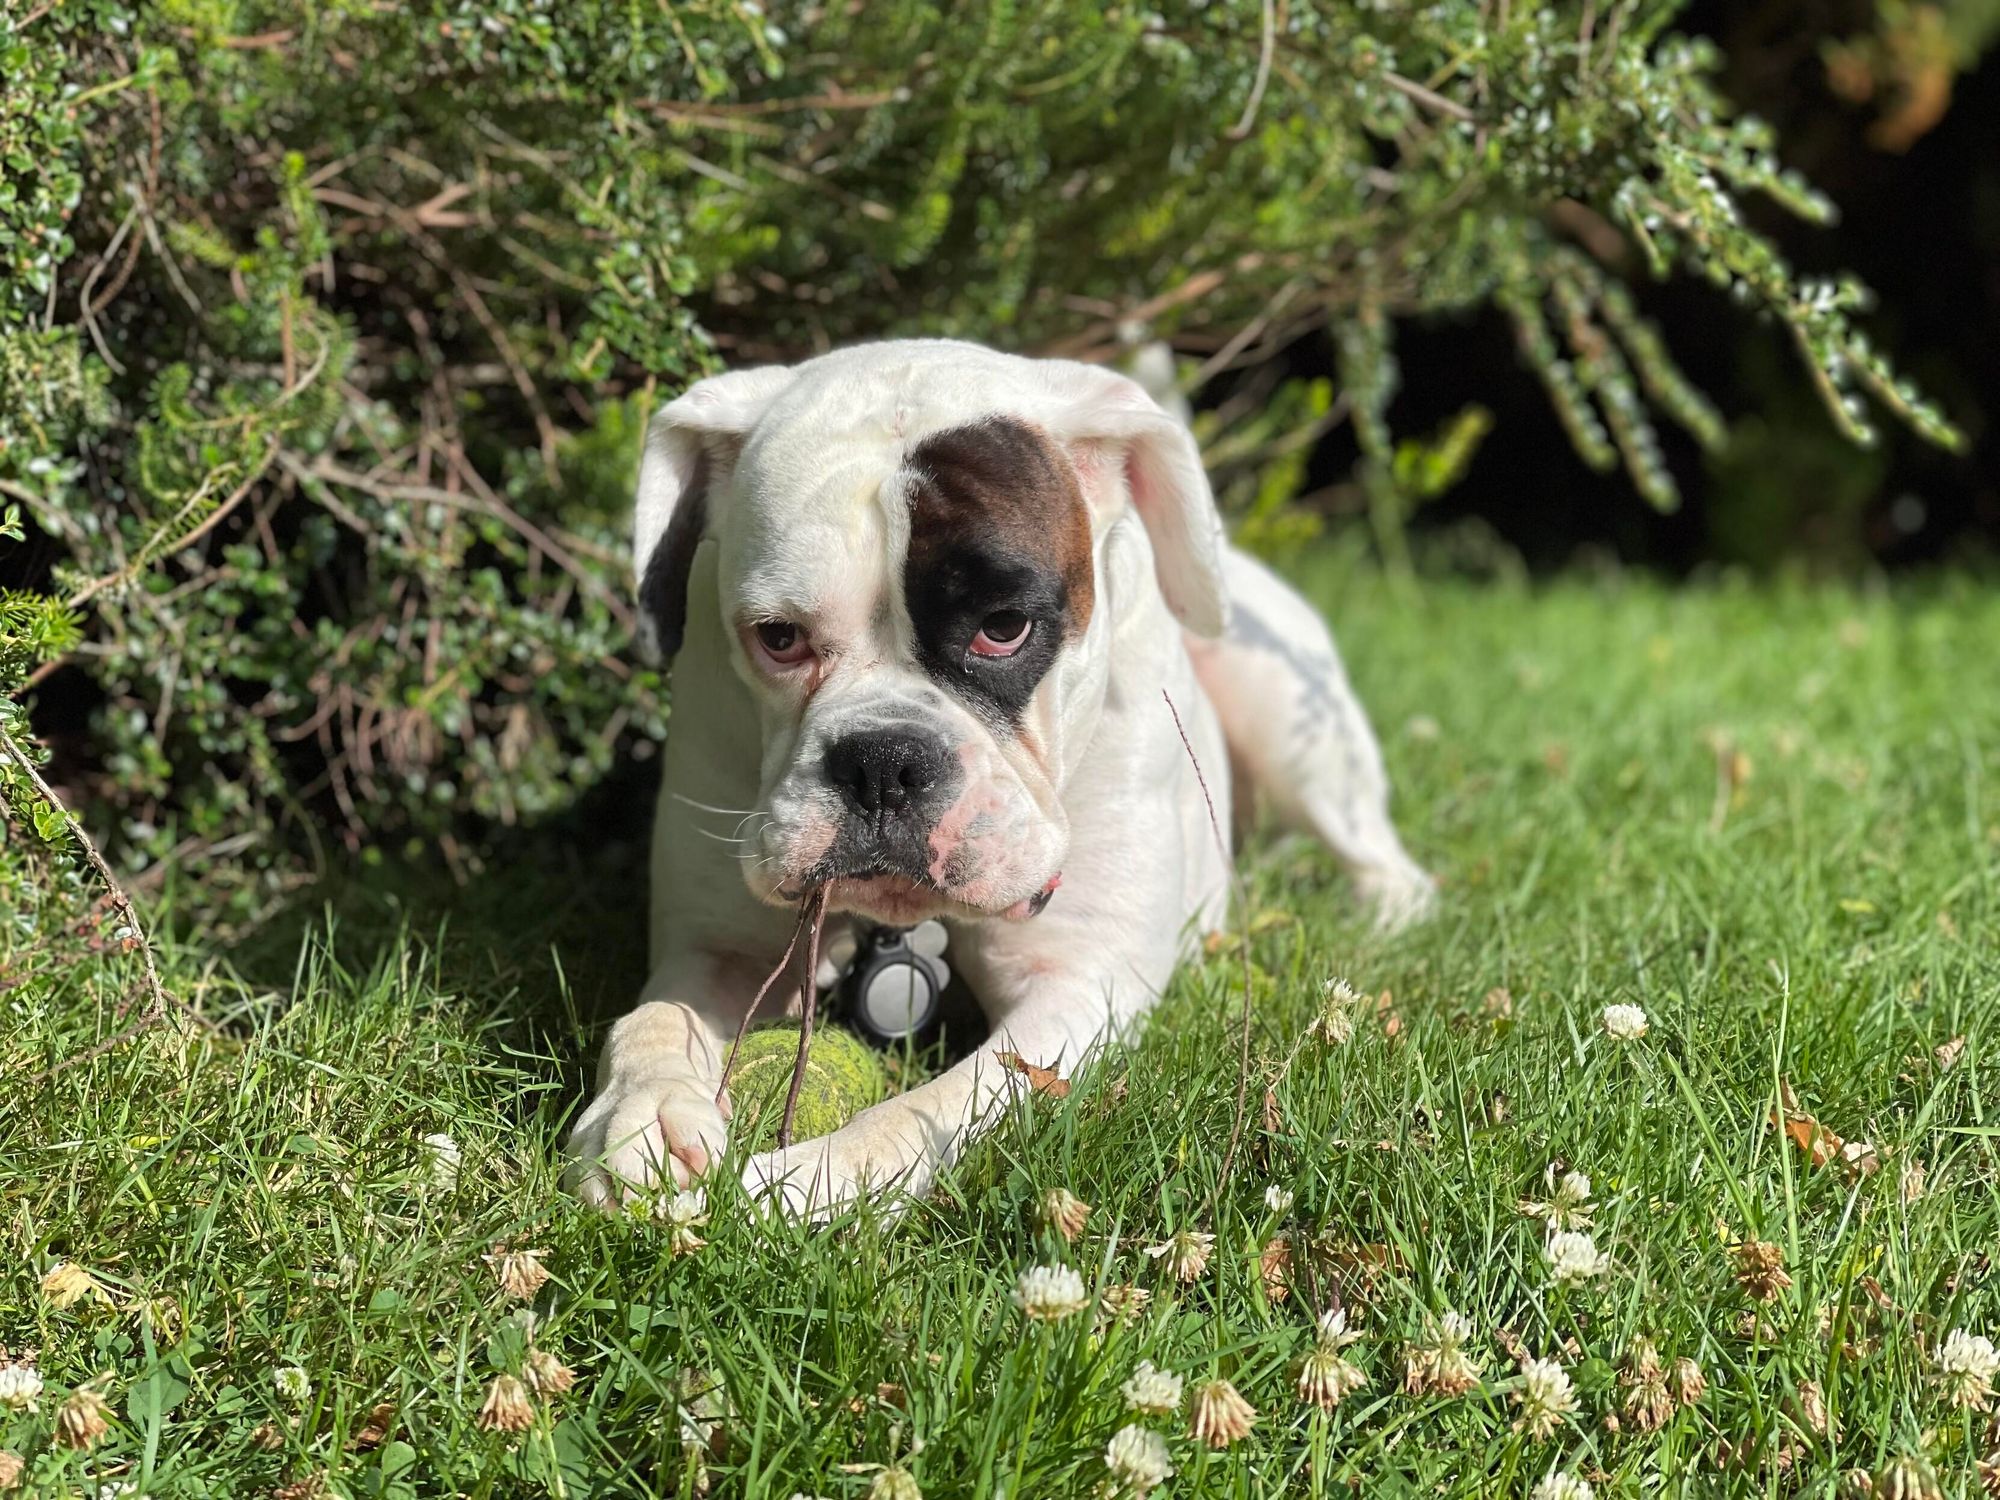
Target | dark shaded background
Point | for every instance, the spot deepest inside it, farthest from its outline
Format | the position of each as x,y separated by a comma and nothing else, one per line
1921,226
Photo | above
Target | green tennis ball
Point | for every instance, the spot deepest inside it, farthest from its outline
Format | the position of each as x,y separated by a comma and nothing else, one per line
844,1075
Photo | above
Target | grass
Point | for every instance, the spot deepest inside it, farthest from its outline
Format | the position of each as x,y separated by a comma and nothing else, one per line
1768,817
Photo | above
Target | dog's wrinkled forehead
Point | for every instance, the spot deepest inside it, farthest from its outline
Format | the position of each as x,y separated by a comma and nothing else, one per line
879,511
857,480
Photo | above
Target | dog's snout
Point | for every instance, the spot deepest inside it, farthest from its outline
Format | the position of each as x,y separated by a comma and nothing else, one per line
884,770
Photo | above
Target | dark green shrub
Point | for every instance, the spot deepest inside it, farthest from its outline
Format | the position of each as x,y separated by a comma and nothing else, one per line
329,329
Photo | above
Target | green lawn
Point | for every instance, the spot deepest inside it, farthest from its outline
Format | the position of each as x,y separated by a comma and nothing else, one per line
1768,817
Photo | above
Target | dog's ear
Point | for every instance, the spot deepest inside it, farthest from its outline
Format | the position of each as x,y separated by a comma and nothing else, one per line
691,446
1127,447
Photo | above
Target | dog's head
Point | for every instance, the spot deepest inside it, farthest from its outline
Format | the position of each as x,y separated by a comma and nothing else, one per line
912,543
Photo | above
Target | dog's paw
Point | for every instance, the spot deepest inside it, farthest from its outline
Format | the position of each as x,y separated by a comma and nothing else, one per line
816,1179
1396,897
644,1133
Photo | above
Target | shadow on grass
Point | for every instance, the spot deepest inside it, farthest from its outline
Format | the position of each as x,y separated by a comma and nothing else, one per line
544,939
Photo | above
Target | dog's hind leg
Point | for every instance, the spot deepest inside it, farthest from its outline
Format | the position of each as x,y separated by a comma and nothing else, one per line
1299,742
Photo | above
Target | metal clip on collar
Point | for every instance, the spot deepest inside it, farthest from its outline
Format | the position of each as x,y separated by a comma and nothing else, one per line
886,983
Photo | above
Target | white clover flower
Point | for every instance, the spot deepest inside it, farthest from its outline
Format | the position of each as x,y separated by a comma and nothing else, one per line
293,1384
520,1273
80,1421
683,1213
1568,1205
1966,1364
1689,1382
545,1374
1338,1003
1440,1361
1220,1415
1184,1254
441,1159
1137,1460
507,1407
1326,1379
1278,1200
1331,1331
1152,1391
1049,1294
1061,1210
1574,1258
1544,1396
1121,1302
1624,1023
20,1386
1558,1484
1644,1378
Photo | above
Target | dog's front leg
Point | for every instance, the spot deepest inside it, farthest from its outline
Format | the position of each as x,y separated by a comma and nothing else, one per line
899,1146
655,1118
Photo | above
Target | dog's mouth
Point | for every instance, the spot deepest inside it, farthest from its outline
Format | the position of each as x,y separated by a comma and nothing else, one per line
903,901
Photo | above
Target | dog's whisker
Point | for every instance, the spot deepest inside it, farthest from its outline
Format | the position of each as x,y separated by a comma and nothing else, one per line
747,812
720,838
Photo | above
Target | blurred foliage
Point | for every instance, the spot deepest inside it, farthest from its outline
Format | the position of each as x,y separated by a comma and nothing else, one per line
328,331
1904,68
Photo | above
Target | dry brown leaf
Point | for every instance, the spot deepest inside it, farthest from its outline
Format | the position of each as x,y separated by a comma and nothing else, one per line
1274,1118
1385,1012
1276,1266
1910,1181
1818,1143
381,1422
1041,1080
1859,1159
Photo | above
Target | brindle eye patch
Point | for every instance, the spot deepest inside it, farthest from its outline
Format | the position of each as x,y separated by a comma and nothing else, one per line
950,602
998,533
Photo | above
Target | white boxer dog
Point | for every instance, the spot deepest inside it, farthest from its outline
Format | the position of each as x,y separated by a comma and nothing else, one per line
933,611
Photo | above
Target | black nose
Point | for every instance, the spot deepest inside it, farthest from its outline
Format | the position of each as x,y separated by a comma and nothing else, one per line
884,770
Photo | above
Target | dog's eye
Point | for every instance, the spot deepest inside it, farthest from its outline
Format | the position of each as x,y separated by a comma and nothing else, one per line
782,642
1001,633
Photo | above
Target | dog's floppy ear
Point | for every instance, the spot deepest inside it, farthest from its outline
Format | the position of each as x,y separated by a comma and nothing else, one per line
691,446
1115,430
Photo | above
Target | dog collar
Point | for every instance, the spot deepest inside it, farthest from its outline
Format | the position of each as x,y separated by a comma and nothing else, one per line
886,983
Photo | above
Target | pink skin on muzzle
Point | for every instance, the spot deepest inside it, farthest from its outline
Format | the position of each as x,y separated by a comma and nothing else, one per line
953,841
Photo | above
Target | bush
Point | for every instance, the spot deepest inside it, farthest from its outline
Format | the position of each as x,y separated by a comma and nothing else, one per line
330,330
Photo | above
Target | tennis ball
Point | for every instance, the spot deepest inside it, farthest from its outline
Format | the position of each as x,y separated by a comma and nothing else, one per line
844,1075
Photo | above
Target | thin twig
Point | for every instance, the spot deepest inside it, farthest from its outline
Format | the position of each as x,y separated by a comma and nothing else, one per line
214,518
809,994
1236,889
159,1001
1429,98
755,108
729,1063
1269,48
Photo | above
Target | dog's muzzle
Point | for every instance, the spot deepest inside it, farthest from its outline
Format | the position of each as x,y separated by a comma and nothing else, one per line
894,783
